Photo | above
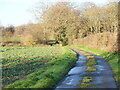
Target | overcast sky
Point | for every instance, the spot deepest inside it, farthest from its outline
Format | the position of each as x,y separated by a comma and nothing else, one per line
17,12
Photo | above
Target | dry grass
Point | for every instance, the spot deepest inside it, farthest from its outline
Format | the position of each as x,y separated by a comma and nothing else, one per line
90,57
91,69
91,61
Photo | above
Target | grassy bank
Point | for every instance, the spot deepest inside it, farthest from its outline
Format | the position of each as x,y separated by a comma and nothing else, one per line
38,67
110,57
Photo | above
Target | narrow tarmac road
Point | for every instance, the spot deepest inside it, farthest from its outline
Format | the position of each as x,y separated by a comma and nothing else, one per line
102,78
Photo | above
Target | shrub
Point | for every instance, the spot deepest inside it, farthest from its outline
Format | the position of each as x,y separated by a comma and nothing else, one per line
29,40
15,39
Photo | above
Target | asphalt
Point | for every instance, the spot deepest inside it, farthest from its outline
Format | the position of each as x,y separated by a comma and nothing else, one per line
102,78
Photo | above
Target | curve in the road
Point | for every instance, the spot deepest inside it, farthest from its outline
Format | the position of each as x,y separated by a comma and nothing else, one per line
102,78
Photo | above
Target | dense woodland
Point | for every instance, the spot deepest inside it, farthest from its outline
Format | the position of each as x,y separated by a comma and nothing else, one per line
64,22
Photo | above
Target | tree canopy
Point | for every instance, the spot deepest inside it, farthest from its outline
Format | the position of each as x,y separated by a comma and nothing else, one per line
64,22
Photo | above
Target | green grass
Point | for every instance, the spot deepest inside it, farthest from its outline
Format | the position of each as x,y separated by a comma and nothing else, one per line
35,67
110,57
86,79
85,82
84,85
91,69
91,61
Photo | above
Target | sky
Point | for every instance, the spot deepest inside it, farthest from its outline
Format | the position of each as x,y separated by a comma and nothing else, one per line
19,12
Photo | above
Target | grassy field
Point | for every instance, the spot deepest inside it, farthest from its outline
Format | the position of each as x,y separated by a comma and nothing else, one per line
35,67
112,59
43,67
